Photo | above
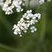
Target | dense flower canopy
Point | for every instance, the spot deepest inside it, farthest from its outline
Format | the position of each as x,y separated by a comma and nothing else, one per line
27,20
9,5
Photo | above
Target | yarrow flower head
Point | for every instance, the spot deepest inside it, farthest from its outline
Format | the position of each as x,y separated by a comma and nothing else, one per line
41,1
8,6
27,21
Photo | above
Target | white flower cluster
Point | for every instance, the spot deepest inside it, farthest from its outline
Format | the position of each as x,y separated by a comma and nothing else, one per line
27,21
8,6
41,1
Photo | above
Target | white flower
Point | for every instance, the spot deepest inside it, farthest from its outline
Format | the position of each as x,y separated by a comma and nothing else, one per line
33,29
32,22
27,21
41,1
20,35
9,5
37,15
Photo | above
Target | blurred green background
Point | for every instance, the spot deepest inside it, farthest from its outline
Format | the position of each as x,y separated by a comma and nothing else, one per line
39,41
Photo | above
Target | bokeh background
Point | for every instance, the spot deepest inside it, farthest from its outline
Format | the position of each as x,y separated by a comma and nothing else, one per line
39,41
